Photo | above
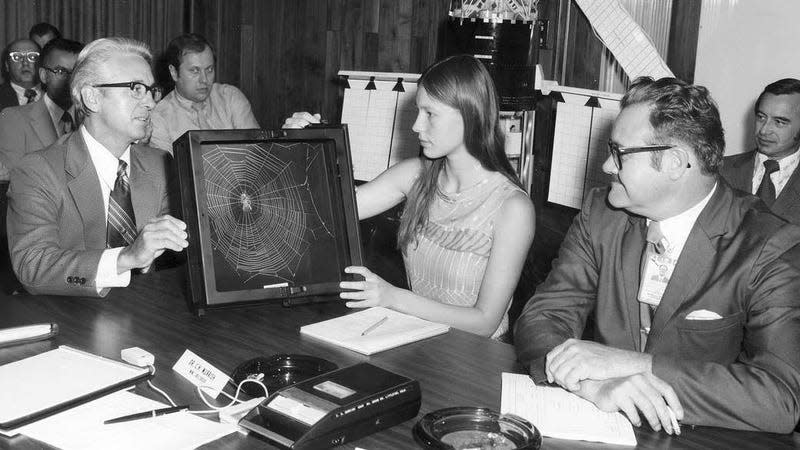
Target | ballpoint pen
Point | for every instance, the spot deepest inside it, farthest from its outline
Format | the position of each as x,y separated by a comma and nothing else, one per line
372,327
147,414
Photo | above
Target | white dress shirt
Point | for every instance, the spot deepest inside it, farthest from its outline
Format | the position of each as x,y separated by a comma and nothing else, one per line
781,176
20,91
106,166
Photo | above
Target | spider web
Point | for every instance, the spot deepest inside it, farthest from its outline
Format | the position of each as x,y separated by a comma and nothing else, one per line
262,216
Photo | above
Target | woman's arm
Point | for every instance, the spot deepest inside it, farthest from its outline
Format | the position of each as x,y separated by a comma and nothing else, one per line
387,189
513,233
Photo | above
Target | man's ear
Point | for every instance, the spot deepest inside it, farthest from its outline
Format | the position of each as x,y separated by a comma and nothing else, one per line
91,98
173,72
676,161
43,75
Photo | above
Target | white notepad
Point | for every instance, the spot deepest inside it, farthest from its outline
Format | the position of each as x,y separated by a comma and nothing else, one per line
51,381
561,414
398,329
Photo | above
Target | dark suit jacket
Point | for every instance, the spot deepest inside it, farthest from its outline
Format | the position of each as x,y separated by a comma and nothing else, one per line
24,129
56,218
740,261
7,96
738,171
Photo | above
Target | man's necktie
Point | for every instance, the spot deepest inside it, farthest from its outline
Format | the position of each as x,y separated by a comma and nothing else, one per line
121,229
766,190
30,94
202,121
66,124
655,246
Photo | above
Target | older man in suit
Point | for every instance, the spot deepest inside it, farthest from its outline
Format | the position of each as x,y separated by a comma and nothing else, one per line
770,171
20,60
87,210
716,339
27,128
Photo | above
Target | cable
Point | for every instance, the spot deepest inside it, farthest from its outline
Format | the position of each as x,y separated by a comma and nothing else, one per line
153,387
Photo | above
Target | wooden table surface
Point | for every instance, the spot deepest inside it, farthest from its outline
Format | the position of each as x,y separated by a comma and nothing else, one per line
454,369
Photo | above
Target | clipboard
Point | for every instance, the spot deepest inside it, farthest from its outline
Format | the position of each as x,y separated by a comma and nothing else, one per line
50,382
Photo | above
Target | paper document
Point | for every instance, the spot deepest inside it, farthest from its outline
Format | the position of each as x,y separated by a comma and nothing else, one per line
560,414
626,40
82,427
373,330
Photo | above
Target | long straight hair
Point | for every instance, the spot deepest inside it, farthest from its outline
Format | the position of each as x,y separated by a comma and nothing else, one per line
463,83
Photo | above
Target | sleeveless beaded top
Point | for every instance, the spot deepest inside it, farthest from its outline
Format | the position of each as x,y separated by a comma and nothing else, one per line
449,258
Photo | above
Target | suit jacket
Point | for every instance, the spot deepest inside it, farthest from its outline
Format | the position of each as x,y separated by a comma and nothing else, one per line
8,97
25,129
738,171
741,371
56,216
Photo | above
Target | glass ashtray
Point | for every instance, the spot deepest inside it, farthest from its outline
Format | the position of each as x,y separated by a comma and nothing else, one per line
469,428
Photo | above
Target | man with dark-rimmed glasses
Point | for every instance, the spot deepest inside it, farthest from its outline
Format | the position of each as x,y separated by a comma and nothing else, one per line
20,63
93,206
27,128
692,285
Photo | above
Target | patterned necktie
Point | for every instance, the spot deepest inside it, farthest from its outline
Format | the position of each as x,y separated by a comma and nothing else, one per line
766,190
655,246
121,228
30,94
66,123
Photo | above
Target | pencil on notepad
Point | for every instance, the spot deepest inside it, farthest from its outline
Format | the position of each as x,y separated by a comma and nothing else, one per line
375,325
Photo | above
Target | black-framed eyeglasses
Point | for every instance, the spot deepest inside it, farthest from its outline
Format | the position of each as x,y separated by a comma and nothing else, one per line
616,151
59,71
138,89
19,56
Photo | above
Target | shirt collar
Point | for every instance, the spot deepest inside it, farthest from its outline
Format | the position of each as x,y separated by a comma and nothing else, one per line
186,103
784,164
104,161
676,229
21,90
55,111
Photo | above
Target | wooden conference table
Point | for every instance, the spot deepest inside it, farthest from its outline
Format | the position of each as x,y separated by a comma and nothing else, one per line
455,369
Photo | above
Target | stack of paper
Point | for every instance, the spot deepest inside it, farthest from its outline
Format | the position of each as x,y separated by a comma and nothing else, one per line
397,329
561,414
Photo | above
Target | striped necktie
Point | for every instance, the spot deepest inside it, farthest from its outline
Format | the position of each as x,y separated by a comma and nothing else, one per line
655,245
121,229
30,94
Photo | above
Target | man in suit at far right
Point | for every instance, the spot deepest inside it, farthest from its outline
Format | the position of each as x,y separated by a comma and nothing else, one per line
769,171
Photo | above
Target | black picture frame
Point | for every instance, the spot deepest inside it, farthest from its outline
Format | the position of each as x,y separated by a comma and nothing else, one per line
271,214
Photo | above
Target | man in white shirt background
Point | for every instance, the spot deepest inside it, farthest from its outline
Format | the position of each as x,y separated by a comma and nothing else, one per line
85,211
197,102
777,138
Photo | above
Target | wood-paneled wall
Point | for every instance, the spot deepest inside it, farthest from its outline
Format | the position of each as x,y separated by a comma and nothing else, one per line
285,54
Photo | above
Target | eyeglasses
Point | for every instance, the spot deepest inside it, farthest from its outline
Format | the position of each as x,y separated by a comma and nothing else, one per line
59,71
19,56
616,151
138,89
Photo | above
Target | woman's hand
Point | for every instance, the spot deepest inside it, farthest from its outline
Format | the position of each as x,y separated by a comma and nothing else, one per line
373,291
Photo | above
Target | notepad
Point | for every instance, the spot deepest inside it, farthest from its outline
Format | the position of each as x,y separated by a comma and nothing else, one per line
561,414
398,329
49,382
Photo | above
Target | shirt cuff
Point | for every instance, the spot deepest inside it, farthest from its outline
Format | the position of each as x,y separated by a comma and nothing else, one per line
107,276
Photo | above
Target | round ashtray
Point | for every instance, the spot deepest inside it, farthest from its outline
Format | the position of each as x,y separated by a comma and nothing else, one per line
279,371
467,428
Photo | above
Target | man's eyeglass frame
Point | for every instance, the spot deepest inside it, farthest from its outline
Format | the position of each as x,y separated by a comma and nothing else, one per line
60,71
616,152
16,57
136,89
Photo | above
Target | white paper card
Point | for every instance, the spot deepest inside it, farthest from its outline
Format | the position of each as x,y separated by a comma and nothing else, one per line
201,373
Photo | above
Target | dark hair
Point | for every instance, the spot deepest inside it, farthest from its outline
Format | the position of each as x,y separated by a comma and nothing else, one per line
783,86
65,45
183,44
461,82
42,29
681,112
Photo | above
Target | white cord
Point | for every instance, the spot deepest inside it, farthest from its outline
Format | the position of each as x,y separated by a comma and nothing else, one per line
153,387
234,398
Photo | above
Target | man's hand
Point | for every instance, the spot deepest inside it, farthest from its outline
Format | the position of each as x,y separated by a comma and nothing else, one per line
160,233
640,393
301,120
576,360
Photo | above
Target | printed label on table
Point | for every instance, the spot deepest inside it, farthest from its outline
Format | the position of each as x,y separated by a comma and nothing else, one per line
200,373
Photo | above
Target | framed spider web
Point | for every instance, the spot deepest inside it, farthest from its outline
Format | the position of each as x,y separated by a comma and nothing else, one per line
271,214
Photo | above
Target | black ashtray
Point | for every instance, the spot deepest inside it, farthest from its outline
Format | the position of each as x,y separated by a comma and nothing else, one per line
467,428
279,371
